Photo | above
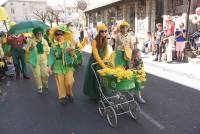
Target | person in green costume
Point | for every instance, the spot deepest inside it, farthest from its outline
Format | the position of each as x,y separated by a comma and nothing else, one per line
136,63
39,50
99,54
60,62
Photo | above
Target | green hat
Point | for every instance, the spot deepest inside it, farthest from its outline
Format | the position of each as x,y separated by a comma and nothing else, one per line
37,30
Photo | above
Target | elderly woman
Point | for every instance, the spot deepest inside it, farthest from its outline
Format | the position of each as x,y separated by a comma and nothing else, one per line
39,50
61,65
123,46
99,54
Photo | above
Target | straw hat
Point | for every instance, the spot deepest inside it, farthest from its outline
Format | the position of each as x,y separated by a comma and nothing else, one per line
67,35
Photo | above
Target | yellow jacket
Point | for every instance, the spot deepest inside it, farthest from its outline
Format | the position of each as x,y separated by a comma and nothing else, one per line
97,56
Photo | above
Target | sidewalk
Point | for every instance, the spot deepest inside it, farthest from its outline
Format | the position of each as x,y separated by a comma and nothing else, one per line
187,74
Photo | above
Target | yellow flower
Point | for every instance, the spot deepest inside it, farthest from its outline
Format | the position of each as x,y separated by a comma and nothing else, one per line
118,72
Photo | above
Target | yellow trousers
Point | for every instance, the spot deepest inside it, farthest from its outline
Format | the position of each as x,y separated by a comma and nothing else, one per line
40,73
64,84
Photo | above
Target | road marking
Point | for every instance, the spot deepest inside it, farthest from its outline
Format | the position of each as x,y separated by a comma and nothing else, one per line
156,123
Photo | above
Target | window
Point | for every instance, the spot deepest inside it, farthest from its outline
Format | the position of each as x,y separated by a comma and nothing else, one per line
11,3
12,10
24,4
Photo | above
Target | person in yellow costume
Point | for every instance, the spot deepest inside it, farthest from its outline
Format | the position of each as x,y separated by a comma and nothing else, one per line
60,62
123,46
100,53
39,50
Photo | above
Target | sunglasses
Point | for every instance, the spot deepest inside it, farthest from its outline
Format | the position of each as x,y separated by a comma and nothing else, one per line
59,33
103,31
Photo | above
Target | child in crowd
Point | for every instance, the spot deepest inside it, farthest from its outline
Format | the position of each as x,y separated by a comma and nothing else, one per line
137,64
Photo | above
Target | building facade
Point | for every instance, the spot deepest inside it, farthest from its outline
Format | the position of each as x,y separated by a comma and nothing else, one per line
141,14
20,10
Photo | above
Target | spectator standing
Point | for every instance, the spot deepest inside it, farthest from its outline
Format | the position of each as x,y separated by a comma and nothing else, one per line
169,33
180,35
159,35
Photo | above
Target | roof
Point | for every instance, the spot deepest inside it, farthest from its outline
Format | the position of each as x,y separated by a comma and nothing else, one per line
100,3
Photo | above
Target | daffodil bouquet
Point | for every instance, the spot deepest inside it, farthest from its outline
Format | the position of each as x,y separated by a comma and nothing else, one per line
140,75
119,72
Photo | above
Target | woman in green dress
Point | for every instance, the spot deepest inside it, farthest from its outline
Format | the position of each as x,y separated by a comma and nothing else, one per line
123,46
99,54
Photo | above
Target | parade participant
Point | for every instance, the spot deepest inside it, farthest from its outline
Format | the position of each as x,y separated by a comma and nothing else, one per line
39,50
78,45
18,55
123,46
99,54
159,35
180,41
113,37
169,33
136,63
63,71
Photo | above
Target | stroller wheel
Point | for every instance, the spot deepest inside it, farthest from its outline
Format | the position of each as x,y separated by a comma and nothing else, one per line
102,108
111,116
134,110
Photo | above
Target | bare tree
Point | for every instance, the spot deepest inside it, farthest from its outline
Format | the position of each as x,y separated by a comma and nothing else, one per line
53,15
50,16
40,14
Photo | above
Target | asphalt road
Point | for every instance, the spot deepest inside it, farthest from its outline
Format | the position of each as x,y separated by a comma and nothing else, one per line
171,109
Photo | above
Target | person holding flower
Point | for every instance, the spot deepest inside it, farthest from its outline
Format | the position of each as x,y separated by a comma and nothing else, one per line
39,50
60,62
136,63
100,53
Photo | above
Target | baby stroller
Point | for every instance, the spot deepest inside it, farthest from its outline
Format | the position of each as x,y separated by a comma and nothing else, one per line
119,101
10,73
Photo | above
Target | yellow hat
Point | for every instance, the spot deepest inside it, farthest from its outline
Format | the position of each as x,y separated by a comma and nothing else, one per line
67,35
124,23
101,27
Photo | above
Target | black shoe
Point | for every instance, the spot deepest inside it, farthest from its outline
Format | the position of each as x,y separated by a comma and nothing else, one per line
71,99
63,101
